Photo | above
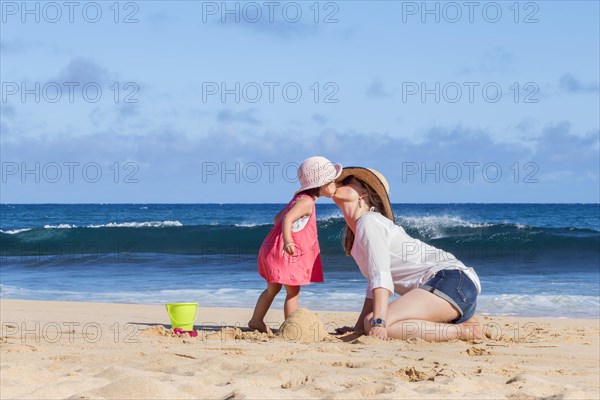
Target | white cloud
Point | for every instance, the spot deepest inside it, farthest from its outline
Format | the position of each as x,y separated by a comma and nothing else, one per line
377,89
570,84
171,162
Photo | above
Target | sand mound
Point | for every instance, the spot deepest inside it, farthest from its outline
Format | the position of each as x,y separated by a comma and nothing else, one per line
229,333
154,331
138,388
411,374
477,351
303,326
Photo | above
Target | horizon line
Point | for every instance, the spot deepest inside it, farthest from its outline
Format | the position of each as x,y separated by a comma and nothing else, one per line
257,203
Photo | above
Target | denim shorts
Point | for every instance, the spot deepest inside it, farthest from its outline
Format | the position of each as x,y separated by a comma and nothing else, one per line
456,288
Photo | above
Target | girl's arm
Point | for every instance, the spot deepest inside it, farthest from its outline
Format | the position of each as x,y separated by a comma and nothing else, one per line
278,216
303,206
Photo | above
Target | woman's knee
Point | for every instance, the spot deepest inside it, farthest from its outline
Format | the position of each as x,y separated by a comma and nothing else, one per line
420,304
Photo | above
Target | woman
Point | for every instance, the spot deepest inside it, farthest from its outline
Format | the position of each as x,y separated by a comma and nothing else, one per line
438,292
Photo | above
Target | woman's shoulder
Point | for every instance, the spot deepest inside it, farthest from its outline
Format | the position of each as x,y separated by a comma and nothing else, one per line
374,220
371,217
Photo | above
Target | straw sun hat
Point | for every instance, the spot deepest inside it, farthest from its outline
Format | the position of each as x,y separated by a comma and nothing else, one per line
376,181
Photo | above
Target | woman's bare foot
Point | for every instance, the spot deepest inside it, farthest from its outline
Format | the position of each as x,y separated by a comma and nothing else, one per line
259,326
471,330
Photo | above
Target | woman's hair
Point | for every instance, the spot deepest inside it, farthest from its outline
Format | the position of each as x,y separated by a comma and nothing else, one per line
314,192
373,200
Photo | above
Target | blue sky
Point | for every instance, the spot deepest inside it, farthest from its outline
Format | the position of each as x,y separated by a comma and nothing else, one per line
213,102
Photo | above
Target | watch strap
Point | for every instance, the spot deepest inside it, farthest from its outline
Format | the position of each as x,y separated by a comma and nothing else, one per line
378,322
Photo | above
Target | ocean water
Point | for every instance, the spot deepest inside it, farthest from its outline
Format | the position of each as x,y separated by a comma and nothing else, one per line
532,259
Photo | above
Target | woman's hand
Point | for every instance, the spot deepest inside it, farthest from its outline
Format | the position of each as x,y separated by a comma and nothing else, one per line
378,332
344,329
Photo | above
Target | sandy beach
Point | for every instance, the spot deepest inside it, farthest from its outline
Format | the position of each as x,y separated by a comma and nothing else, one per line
52,350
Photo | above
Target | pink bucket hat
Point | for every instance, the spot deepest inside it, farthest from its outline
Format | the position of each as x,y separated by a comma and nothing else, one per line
317,171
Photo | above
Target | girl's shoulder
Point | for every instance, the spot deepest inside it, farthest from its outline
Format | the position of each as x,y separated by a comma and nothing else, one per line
297,197
304,198
302,201
303,195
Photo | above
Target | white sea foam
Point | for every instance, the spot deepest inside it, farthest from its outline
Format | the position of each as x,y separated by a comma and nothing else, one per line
433,226
320,218
14,231
441,220
551,306
146,224
330,216
60,226
571,306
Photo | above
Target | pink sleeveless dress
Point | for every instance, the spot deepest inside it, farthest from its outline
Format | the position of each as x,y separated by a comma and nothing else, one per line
301,268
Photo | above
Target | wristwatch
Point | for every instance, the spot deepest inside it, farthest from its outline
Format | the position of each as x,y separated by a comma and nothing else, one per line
378,322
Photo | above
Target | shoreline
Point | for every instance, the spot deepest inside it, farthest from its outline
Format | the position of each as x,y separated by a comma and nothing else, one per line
109,350
278,306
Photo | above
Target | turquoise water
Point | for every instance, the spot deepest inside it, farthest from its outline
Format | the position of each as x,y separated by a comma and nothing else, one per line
533,259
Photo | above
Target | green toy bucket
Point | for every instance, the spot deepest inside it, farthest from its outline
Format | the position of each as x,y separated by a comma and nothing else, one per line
182,315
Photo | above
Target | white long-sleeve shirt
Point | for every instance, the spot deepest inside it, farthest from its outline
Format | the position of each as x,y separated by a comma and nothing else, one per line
388,257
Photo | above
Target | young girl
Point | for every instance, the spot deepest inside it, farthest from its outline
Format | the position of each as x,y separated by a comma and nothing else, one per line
290,254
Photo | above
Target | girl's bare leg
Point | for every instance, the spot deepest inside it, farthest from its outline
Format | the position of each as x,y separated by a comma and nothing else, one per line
291,300
262,306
